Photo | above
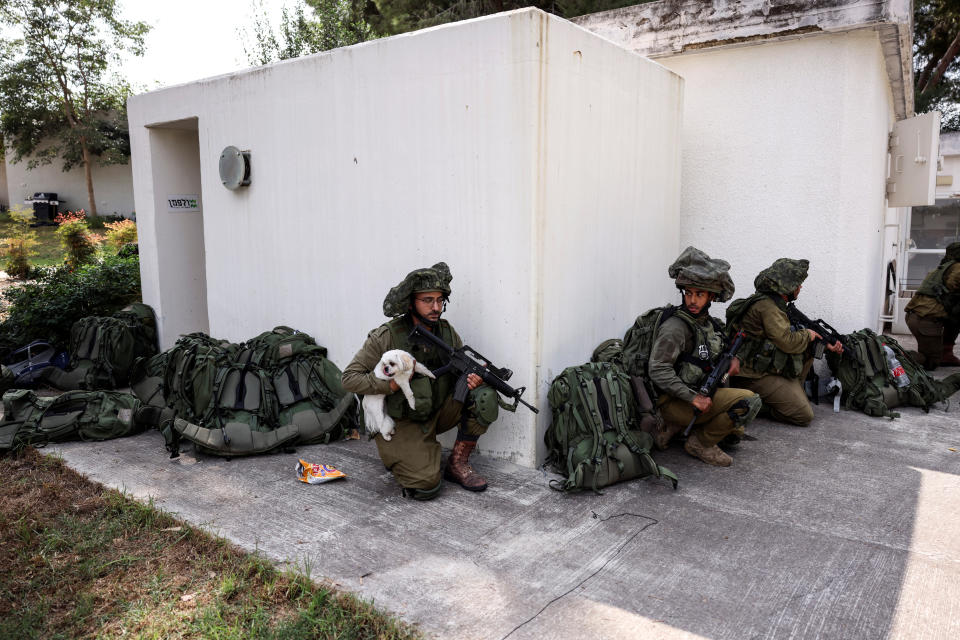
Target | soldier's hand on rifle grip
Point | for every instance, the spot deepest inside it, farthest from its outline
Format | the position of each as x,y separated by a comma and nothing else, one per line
814,336
836,347
702,403
473,381
734,367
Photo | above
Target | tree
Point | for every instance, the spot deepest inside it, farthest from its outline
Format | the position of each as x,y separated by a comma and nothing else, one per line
57,96
310,27
936,63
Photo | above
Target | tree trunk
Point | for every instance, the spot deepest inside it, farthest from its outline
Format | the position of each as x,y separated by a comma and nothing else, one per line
945,61
88,173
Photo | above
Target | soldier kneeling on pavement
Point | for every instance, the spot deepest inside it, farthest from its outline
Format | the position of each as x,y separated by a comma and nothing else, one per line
413,454
774,354
933,314
685,347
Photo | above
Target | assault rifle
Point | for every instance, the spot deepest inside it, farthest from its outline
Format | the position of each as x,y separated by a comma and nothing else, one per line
830,335
465,361
718,375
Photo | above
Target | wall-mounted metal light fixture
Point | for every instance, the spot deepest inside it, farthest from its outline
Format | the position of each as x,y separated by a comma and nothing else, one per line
234,168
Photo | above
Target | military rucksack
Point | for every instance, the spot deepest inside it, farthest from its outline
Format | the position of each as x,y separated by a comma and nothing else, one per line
87,415
311,397
273,348
104,348
869,385
240,419
638,340
595,438
190,373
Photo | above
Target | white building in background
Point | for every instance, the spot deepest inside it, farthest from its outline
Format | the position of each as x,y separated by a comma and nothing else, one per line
787,120
540,161
543,163
112,186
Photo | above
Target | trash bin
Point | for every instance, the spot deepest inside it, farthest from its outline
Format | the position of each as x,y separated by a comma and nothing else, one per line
45,206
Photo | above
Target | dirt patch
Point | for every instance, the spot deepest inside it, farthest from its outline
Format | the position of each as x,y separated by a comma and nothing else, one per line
82,561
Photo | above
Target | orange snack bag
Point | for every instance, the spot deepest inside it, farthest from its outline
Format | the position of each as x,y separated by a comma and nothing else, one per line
317,473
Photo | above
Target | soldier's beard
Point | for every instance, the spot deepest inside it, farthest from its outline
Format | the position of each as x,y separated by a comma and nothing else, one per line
431,324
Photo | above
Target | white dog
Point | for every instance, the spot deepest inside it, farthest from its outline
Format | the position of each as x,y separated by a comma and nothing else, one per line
399,366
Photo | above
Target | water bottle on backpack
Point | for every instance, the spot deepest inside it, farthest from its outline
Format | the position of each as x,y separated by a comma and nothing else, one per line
900,376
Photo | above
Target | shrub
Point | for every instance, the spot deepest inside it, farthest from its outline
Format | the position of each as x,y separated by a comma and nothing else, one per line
121,233
79,244
20,245
48,307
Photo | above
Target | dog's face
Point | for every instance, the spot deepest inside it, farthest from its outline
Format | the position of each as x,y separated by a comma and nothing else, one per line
395,363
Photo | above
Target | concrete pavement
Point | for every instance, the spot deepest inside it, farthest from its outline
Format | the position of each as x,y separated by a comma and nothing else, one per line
849,528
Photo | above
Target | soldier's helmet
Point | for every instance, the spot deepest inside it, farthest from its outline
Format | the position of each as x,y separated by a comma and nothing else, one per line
435,278
696,269
953,252
782,277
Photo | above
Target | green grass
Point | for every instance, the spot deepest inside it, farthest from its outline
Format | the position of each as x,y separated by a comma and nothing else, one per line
48,252
81,561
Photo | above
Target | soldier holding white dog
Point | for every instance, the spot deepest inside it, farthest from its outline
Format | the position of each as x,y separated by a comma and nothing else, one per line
413,454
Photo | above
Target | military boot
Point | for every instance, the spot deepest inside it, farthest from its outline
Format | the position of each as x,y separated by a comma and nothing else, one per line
711,455
664,433
459,470
947,359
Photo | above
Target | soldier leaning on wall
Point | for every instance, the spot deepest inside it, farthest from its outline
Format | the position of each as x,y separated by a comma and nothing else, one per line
774,354
684,349
413,454
933,314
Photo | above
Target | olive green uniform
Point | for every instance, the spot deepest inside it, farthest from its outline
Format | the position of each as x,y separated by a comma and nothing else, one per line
933,314
682,352
773,359
413,454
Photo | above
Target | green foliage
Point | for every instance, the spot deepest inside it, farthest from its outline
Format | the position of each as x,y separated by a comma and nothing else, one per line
48,307
20,245
57,95
120,233
78,243
936,63
321,26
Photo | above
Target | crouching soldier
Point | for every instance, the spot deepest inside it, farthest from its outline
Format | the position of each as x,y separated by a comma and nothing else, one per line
774,353
413,454
933,314
685,346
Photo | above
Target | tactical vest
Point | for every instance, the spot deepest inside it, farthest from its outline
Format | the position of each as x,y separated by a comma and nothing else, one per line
935,287
428,394
758,353
692,367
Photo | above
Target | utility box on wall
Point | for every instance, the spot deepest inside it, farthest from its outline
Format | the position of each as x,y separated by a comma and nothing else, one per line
541,162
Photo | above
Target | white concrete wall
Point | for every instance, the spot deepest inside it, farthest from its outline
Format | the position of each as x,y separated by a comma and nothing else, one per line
4,195
112,186
538,160
784,154
951,167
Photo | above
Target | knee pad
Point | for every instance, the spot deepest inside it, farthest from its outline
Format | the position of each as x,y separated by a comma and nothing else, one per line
422,494
745,410
485,405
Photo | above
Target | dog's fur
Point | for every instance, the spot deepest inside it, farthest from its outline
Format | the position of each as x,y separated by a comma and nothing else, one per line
399,366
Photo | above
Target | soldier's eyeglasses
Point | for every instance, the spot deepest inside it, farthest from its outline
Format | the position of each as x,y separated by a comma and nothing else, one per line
432,301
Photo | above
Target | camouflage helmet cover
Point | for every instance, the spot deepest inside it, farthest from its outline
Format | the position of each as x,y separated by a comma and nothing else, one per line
953,252
783,276
696,269
435,278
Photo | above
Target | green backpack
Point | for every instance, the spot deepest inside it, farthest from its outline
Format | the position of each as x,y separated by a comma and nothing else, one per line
190,373
595,438
87,415
638,340
869,385
104,348
311,397
273,348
